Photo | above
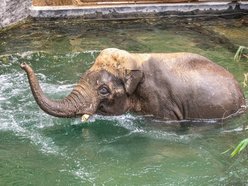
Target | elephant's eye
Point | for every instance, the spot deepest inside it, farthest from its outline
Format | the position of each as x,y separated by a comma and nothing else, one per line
104,91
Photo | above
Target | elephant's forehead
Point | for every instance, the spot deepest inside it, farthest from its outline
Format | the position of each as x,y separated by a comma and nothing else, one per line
114,61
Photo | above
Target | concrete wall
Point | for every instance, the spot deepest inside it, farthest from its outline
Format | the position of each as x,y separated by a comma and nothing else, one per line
12,11
141,10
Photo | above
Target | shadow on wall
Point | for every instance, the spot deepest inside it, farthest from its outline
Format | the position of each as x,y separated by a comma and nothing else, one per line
52,2
87,2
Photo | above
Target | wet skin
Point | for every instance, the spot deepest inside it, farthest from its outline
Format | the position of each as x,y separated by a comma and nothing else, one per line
172,86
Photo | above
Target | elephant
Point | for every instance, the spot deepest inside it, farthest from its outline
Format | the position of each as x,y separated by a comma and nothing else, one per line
167,86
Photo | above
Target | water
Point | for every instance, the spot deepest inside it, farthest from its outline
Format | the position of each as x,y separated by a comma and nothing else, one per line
38,149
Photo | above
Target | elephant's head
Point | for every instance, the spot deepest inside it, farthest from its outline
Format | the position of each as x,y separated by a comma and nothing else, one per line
106,88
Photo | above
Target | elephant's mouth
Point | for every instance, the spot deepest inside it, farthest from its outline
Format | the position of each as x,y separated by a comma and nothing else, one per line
102,110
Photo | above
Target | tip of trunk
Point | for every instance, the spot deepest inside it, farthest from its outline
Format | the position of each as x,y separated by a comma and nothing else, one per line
25,66
29,71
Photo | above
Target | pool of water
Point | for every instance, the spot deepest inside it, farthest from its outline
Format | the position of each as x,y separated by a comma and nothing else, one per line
38,149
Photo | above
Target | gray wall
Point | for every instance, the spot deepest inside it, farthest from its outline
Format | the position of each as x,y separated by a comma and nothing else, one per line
12,11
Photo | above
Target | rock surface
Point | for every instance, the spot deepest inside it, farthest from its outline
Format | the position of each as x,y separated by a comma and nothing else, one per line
12,11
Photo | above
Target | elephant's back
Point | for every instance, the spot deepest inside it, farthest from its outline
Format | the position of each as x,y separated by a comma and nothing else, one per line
184,62
196,83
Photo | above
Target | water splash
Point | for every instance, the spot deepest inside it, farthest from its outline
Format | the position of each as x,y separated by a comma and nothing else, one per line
15,106
21,116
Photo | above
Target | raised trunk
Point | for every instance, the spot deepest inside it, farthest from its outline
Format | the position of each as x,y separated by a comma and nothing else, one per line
80,101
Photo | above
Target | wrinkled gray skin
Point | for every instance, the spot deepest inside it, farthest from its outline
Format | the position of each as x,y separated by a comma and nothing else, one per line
173,86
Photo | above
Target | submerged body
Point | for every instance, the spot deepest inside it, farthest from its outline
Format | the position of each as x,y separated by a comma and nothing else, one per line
173,86
188,86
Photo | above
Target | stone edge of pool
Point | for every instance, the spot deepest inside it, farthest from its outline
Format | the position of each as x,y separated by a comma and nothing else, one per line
137,10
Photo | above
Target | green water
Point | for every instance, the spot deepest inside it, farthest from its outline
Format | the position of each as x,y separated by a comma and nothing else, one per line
38,149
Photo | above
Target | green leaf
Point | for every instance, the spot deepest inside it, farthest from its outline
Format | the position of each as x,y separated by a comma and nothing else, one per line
226,151
241,146
239,53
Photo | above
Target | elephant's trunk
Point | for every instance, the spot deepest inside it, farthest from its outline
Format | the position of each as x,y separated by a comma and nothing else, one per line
80,101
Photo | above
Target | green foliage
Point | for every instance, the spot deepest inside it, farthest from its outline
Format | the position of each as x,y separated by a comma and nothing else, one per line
240,52
241,146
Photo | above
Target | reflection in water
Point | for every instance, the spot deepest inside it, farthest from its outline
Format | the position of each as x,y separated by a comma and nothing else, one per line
129,149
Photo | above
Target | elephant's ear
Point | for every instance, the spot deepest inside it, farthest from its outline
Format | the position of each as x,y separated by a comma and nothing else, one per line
131,80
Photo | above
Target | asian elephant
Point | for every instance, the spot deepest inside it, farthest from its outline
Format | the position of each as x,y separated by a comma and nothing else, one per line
174,86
